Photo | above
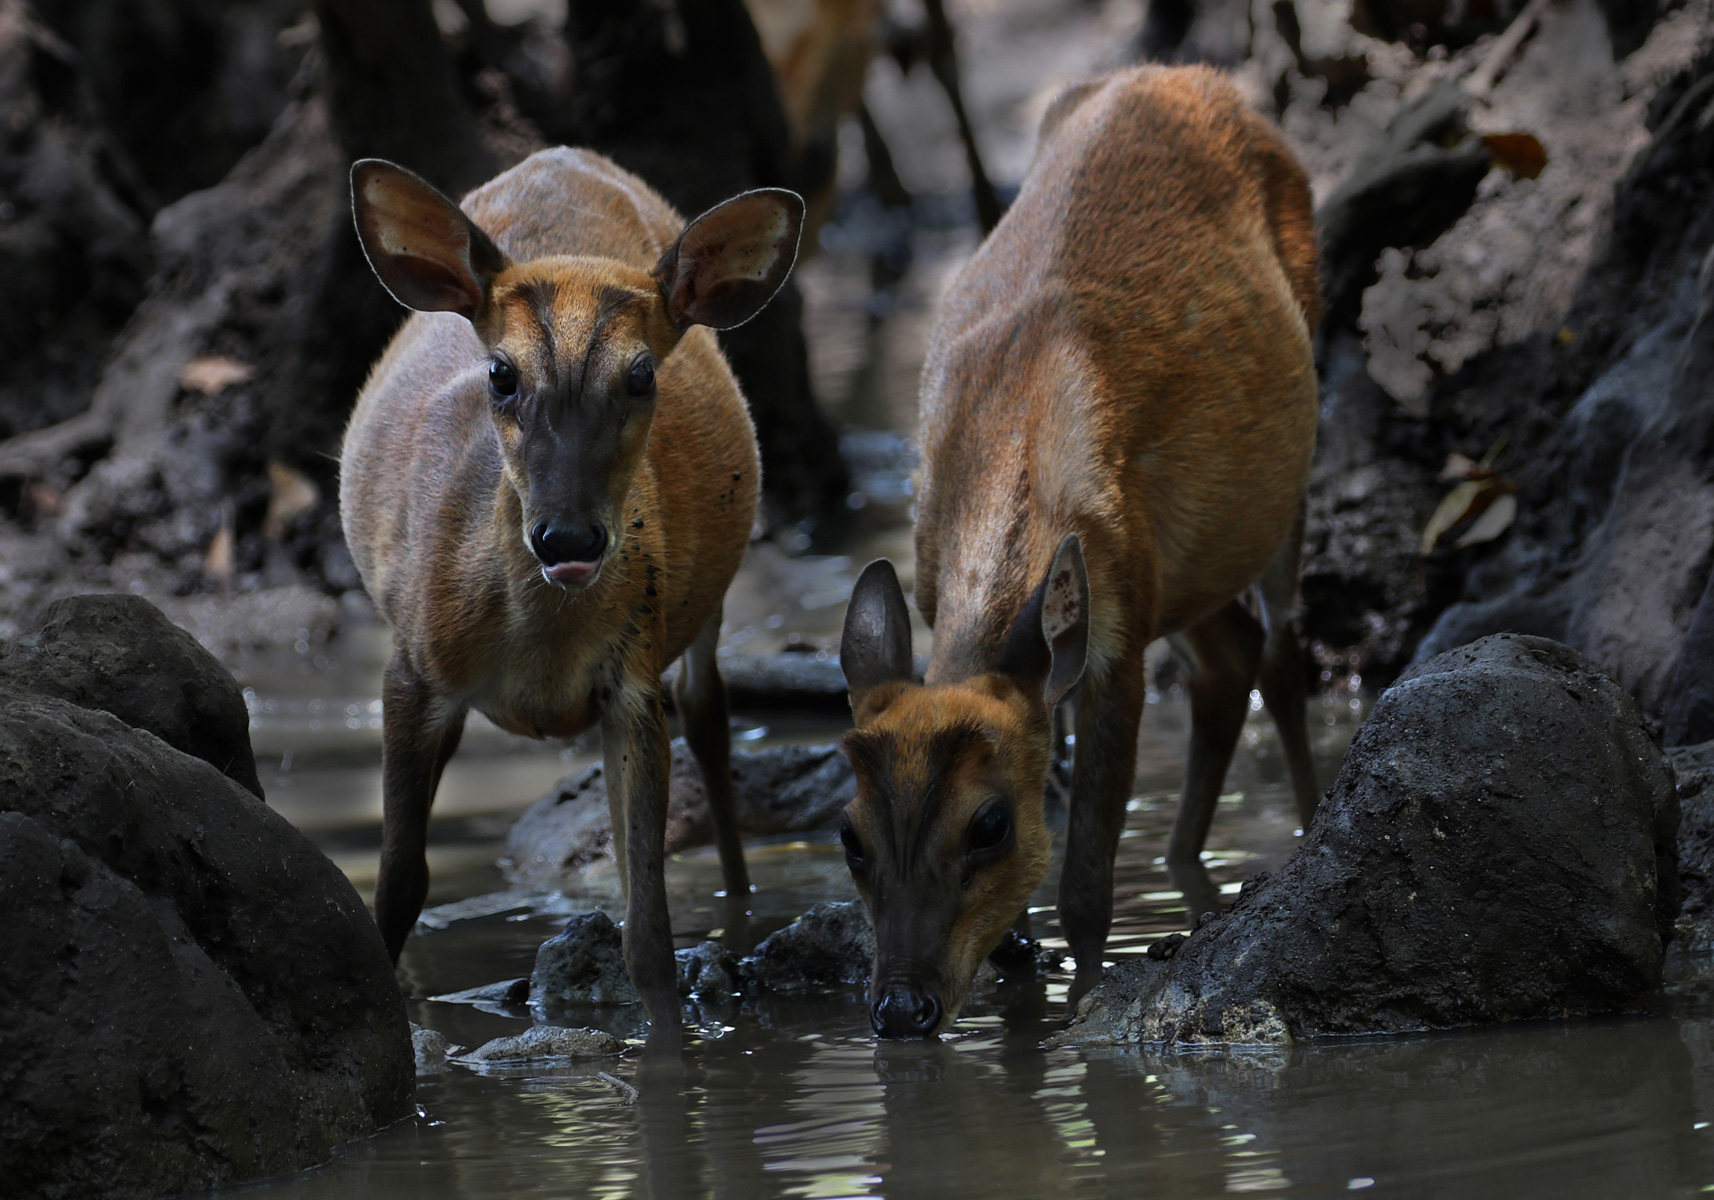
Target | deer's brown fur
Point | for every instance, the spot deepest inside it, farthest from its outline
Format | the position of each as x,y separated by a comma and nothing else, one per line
442,481
1127,360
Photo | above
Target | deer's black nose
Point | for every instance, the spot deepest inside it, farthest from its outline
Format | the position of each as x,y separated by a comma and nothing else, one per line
902,1013
556,544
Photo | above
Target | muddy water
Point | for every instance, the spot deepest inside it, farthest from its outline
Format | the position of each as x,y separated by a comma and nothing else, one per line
796,1098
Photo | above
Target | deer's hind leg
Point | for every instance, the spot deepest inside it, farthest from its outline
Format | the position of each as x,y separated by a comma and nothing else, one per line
1281,677
1220,653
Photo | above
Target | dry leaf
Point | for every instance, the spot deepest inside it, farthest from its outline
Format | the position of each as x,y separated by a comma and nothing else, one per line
1518,153
217,560
213,374
1458,466
1463,507
40,499
1494,521
293,495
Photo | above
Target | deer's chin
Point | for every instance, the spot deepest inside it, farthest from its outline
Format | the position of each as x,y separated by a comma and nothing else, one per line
572,574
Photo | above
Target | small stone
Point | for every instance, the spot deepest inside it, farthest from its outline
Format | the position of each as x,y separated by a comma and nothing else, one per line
583,965
707,971
432,1049
831,945
1167,947
544,1042
1018,956
510,992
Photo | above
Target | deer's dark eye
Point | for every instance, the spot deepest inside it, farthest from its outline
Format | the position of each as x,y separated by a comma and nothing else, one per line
853,847
502,378
640,381
991,831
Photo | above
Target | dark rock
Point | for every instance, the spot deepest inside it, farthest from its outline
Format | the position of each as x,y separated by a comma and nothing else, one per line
782,682
585,964
707,971
194,994
832,945
1690,697
431,1049
73,231
1500,844
1694,767
1019,956
120,655
1166,948
184,86
778,790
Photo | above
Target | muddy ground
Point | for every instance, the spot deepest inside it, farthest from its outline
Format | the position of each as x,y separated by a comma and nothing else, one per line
160,443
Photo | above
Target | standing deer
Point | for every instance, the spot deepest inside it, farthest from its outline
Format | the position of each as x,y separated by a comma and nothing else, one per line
547,484
1118,414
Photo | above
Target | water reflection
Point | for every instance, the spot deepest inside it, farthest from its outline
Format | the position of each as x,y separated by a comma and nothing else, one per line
804,1105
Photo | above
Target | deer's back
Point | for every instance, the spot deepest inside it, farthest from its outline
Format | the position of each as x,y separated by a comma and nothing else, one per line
1127,356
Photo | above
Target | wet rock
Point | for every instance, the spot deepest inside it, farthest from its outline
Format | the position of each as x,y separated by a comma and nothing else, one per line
783,682
432,1048
708,971
543,1042
1694,767
1609,421
195,995
778,790
506,993
831,945
585,964
1500,844
120,655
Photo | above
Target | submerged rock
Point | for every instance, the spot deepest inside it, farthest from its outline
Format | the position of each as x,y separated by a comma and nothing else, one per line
194,995
830,947
781,789
542,1042
432,1048
505,994
585,964
1500,844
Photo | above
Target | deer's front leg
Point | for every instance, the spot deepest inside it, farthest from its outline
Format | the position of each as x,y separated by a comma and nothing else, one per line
418,737
636,750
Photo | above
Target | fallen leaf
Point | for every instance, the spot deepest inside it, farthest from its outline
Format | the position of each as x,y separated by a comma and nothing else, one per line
217,560
1494,521
213,374
1463,507
293,494
1518,153
1458,466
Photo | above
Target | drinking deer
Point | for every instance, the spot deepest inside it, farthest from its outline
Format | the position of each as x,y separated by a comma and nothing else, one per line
1118,414
547,484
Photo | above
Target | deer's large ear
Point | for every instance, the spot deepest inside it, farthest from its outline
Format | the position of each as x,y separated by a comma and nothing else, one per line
729,262
875,648
1048,644
424,250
